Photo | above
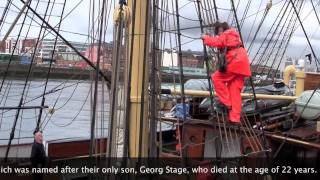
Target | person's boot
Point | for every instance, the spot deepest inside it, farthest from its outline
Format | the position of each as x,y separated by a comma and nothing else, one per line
233,124
221,108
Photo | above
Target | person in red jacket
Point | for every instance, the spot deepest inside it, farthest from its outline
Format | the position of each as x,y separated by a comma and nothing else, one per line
229,83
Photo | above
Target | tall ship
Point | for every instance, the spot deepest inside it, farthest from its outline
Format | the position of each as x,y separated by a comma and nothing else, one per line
127,85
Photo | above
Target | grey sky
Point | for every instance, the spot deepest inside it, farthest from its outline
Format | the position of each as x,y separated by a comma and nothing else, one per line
78,20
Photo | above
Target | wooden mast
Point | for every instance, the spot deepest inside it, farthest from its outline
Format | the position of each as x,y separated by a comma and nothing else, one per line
139,80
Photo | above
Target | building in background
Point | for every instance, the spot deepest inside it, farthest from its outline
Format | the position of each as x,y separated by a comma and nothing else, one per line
2,47
47,45
288,62
22,51
106,52
9,47
63,55
192,62
27,46
190,59
309,64
169,58
23,46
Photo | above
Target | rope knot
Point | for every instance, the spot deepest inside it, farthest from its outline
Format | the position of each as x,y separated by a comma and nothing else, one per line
269,5
123,15
51,110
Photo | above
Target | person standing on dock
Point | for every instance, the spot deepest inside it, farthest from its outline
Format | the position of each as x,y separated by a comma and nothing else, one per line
234,66
38,154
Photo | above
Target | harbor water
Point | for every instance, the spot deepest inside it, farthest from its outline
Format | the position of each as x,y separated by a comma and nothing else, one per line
68,115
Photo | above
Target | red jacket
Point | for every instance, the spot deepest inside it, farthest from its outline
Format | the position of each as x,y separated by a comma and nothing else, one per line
238,60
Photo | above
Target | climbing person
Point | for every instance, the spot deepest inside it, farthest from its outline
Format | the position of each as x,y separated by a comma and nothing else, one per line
233,67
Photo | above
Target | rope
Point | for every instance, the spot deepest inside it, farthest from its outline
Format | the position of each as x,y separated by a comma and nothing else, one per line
277,39
284,44
7,90
254,22
206,58
73,119
55,89
21,99
251,82
4,13
299,116
258,29
211,89
68,43
11,57
264,40
304,31
245,13
97,73
50,66
181,76
153,106
114,121
126,152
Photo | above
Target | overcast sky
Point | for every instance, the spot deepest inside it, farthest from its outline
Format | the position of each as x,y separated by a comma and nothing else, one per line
78,22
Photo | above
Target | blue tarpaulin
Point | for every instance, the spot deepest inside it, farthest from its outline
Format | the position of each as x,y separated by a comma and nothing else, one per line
25,59
178,112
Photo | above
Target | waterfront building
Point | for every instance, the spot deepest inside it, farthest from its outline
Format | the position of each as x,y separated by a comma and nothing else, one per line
23,46
47,46
190,59
106,53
